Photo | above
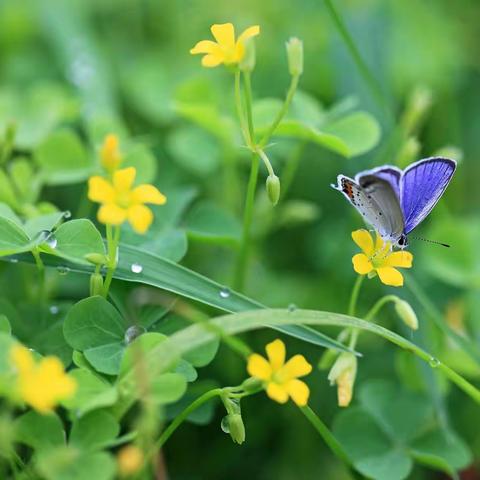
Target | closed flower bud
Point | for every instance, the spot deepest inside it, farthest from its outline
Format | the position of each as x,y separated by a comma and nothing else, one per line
247,64
110,153
96,284
96,258
273,188
252,384
295,56
233,423
406,313
343,374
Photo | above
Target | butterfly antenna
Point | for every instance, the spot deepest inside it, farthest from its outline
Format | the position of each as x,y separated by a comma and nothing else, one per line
431,241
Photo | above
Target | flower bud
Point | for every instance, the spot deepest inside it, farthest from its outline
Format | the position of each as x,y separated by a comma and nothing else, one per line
273,188
343,374
252,384
295,56
406,313
96,284
130,460
247,64
110,153
96,258
233,424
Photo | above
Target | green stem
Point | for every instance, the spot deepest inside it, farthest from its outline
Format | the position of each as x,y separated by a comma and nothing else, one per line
282,112
113,240
266,161
354,52
242,259
179,419
238,106
352,304
378,305
326,434
41,273
248,105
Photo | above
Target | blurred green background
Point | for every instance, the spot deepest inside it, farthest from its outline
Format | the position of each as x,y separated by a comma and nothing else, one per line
124,65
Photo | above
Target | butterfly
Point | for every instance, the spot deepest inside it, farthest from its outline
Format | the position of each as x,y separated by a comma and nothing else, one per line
393,201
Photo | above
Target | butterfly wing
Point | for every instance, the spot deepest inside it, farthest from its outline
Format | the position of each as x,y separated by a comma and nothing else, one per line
375,199
390,173
421,186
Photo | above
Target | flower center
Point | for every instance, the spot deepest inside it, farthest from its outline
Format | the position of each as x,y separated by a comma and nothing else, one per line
123,199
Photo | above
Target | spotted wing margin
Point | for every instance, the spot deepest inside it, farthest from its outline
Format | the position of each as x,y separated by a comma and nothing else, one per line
366,203
421,187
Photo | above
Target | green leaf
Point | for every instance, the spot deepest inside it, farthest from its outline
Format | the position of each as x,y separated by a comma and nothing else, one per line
75,239
168,388
13,238
46,222
5,326
203,355
94,430
7,193
27,184
95,327
186,370
68,463
39,431
63,159
140,157
92,392
202,160
210,223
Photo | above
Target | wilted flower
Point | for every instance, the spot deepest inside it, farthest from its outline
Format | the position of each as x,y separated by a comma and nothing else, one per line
378,258
225,50
343,374
41,385
280,378
120,202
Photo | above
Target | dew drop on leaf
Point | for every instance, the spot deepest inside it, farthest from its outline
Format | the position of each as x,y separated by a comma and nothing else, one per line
434,362
54,309
133,332
136,268
225,292
224,424
51,240
292,307
63,270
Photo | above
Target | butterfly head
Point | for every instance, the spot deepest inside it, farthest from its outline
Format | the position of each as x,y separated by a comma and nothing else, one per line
402,242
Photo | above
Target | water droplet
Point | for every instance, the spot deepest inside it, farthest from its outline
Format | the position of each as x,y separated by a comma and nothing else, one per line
136,268
13,260
63,270
54,309
67,214
42,236
224,425
225,292
434,362
133,332
292,307
51,240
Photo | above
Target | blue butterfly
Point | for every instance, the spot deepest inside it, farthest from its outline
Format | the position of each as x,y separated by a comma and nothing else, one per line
393,201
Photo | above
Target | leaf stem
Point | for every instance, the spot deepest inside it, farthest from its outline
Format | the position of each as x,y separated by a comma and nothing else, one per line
286,105
352,304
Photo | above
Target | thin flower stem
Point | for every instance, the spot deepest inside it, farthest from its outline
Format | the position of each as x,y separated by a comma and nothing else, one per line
326,434
239,108
352,305
248,107
113,239
266,161
179,419
242,259
286,105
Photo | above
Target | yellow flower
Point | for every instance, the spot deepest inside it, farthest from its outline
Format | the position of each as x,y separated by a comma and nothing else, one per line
226,50
121,202
379,258
130,460
343,374
41,385
280,378
110,153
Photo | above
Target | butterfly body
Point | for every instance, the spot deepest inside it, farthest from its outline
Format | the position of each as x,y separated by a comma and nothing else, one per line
393,201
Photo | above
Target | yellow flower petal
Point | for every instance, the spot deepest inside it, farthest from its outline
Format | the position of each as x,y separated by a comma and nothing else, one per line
361,264
99,190
109,153
148,194
379,243
248,33
364,240
399,259
111,214
276,354
212,60
297,366
123,179
204,46
258,367
140,218
224,34
277,392
298,391
390,276
22,358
